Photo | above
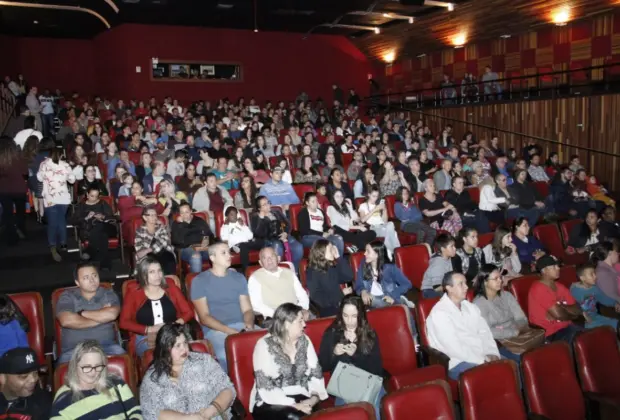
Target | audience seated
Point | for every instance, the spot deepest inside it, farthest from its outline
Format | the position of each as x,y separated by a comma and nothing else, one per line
440,214
469,258
585,236
123,160
411,219
90,391
152,180
13,325
289,382
96,224
536,171
550,304
503,254
456,328
278,192
90,180
438,266
499,308
184,383
211,199
192,235
337,181
313,224
365,179
88,312
493,202
153,303
526,197
221,300
528,247
244,198
608,223
374,213
346,223
271,227
378,282
563,200
605,259
588,295
153,238
325,274
350,339
460,198
21,395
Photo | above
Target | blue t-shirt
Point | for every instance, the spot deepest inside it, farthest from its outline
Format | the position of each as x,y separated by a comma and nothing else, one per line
12,336
233,183
222,295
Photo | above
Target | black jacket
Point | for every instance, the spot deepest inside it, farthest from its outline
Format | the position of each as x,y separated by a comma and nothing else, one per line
462,202
192,233
370,362
324,287
36,407
524,195
264,228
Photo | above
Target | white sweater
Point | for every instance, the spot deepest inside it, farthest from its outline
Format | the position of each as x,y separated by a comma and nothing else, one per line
54,178
463,335
234,233
488,200
337,219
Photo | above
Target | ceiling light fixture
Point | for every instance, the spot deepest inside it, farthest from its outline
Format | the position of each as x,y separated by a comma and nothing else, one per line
421,55
381,14
449,6
36,22
55,7
375,29
561,16
459,40
389,56
505,36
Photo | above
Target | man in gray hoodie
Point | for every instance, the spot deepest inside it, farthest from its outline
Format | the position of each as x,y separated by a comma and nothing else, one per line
439,265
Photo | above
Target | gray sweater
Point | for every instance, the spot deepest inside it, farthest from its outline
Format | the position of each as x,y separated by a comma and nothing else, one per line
437,267
503,314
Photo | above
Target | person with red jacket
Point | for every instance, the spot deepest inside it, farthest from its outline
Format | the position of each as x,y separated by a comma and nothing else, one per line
152,304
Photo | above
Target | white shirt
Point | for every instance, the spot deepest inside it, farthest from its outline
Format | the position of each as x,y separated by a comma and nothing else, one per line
343,222
488,200
22,136
256,297
376,218
316,220
234,233
463,335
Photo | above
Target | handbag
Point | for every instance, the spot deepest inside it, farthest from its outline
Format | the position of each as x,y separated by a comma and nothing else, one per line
353,384
526,340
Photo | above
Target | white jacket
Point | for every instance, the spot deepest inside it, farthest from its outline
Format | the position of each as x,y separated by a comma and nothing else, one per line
234,233
488,200
463,335
54,178
512,264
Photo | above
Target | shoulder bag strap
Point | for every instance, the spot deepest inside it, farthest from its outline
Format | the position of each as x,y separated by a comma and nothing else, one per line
120,399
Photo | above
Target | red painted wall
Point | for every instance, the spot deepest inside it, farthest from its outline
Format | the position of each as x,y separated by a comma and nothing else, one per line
275,65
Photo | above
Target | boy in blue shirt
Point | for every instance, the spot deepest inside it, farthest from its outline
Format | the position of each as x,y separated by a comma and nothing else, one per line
588,294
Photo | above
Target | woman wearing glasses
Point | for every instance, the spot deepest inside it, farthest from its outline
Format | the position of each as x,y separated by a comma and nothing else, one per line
91,392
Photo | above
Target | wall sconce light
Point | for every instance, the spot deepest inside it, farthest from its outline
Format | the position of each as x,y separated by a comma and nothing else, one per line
389,56
459,40
155,61
561,16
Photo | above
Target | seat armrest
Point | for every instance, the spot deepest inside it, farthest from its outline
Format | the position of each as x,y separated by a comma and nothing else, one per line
436,357
604,402
534,416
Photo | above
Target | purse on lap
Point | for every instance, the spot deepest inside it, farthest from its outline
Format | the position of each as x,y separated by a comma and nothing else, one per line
353,384
527,340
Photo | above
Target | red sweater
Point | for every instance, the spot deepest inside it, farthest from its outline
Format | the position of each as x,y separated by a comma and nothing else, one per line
135,298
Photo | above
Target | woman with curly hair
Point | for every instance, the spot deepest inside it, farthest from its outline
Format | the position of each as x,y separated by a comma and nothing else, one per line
184,384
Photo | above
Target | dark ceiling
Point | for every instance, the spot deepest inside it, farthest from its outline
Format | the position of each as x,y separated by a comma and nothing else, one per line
270,15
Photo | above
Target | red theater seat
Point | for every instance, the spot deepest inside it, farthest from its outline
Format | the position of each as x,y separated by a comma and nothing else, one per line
485,239
303,267
401,404
566,227
549,236
390,202
31,306
568,275
356,411
491,391
294,210
201,346
598,363
413,262
551,387
121,366
239,351
520,289
542,188
355,260
474,193
302,189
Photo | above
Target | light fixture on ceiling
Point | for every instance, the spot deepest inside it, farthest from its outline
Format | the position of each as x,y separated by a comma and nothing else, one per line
377,30
386,15
389,56
561,16
505,36
421,55
36,22
459,40
381,14
449,6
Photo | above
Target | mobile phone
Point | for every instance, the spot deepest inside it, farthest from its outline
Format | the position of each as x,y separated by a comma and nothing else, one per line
381,201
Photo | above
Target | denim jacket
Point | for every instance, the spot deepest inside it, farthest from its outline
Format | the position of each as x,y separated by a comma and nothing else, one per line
393,281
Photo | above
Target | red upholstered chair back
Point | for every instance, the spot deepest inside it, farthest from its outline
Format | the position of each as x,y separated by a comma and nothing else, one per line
542,188
474,193
109,201
294,210
356,411
393,327
550,383
200,346
567,226
355,260
549,236
239,352
413,262
598,362
358,202
390,201
520,289
303,267
302,189
189,278
401,404
31,305
315,330
422,311
491,391
568,275
121,366
57,328
485,239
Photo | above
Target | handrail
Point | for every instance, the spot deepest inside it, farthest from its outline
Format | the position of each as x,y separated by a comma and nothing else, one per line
497,129
498,81
7,107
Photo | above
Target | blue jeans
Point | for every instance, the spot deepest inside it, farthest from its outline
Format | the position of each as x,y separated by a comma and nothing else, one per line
109,349
48,124
56,224
194,258
297,249
309,240
456,371
566,334
431,293
376,404
217,340
142,344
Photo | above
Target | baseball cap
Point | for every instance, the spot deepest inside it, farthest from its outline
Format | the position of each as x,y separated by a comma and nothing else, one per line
18,361
160,140
546,261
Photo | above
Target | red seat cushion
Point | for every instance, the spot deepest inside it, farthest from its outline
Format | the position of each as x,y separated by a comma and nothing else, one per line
31,306
520,289
598,362
404,257
429,402
356,411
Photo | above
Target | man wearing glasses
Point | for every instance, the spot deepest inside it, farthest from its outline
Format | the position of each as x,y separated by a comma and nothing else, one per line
88,312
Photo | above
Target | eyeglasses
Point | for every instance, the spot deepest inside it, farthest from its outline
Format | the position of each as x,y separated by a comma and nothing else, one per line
89,369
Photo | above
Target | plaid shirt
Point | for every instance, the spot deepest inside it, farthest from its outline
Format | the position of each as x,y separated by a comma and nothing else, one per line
158,242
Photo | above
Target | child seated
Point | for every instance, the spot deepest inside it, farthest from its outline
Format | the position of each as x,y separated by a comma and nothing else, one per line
236,233
125,189
588,294
321,195
438,266
598,192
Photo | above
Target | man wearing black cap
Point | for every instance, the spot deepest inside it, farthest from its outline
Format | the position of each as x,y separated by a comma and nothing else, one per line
550,304
21,397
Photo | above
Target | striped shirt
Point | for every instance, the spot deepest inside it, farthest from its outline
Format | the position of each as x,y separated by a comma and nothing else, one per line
95,405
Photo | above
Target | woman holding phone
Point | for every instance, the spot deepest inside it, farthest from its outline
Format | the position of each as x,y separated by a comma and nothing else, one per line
374,213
